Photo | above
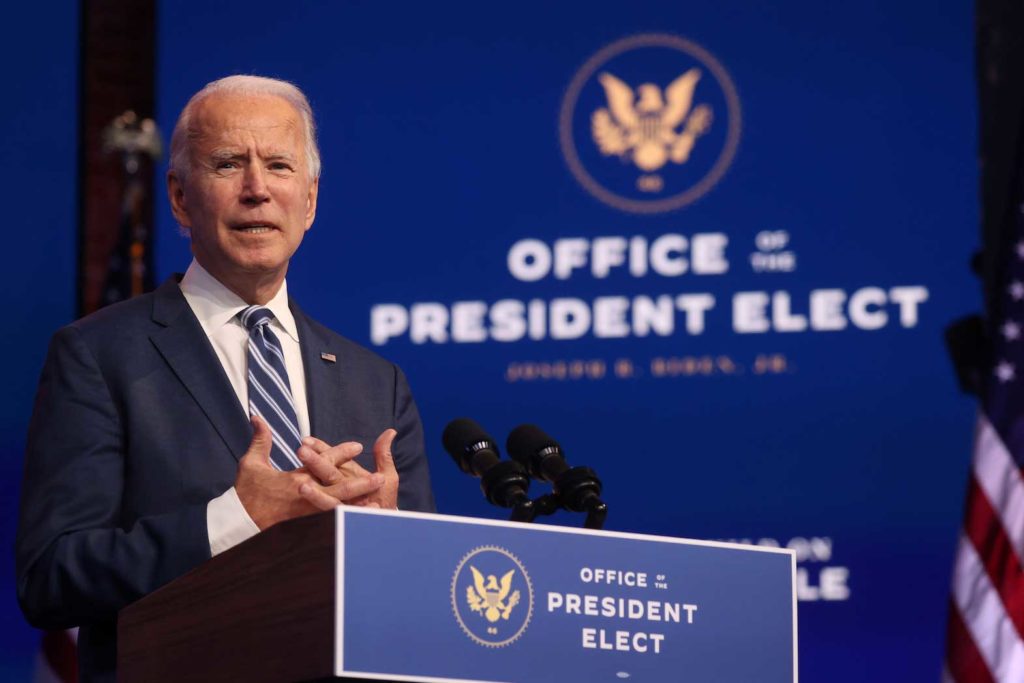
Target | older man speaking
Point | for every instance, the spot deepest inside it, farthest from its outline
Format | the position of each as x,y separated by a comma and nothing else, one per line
175,425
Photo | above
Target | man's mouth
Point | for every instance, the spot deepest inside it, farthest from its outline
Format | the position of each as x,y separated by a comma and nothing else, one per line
254,227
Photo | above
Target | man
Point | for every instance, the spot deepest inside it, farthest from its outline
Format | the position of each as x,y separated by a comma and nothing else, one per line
173,426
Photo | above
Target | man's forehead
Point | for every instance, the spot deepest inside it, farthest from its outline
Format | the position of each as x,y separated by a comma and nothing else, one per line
224,112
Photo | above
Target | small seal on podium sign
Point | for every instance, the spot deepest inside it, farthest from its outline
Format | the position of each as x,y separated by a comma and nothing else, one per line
492,596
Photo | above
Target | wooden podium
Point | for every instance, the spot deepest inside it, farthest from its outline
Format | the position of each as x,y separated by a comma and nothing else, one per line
378,595
261,611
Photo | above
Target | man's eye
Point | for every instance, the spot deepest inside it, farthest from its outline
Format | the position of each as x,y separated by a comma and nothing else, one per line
280,166
226,165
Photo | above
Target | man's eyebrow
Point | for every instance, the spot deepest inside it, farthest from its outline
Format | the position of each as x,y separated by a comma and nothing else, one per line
279,156
227,155
219,155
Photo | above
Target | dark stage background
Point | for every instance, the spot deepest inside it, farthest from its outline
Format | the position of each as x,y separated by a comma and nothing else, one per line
838,172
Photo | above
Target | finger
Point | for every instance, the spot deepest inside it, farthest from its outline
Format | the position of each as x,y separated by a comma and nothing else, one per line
318,498
319,466
262,439
316,444
353,469
350,489
382,452
350,449
337,455
344,452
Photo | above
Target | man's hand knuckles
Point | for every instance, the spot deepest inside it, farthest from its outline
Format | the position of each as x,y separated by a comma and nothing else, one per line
353,488
343,453
300,478
330,478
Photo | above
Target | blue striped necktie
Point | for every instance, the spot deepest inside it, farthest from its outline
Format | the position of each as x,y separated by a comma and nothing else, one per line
270,394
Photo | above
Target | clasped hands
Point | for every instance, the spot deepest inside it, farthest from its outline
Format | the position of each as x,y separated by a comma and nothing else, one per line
329,477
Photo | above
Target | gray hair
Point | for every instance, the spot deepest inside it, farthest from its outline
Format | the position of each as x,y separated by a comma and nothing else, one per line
180,163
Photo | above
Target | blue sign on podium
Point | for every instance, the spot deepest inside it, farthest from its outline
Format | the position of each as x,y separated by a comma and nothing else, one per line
438,598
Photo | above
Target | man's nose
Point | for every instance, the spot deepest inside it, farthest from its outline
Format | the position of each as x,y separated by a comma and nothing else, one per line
254,188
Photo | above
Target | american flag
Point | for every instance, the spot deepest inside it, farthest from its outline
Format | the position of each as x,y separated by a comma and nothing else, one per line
985,636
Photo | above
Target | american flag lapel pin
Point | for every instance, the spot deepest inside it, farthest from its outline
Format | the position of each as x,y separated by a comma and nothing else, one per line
329,357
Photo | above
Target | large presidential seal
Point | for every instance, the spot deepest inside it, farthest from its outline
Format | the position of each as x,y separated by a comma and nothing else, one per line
650,123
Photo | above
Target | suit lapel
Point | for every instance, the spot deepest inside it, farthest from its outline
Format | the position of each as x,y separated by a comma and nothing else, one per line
325,393
188,352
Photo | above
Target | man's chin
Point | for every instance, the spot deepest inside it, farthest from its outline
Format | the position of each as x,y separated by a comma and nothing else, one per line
252,269
262,269
266,259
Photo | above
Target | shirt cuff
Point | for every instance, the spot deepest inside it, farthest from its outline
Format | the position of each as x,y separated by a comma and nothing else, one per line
227,522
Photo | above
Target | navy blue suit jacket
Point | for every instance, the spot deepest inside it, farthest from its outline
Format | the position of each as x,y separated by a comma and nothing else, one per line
136,428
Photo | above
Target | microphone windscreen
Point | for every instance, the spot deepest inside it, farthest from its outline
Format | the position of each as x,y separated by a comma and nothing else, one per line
462,433
527,440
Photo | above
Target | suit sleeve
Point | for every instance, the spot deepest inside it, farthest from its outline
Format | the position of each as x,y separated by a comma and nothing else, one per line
414,492
78,562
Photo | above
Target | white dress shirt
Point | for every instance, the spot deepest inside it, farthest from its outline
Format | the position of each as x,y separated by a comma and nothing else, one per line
217,309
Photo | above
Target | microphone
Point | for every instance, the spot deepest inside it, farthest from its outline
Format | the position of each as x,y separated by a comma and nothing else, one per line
504,482
578,488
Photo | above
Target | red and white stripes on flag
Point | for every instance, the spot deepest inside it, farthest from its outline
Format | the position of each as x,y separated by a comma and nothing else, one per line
985,635
986,619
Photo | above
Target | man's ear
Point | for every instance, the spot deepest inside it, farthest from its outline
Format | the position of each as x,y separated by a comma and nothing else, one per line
176,195
314,189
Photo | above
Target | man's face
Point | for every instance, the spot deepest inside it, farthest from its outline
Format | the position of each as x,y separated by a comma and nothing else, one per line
248,199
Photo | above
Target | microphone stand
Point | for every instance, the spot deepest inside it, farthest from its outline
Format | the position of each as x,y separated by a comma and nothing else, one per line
549,503
505,484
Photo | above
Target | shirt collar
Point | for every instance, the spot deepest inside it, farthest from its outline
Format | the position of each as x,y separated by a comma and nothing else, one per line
215,305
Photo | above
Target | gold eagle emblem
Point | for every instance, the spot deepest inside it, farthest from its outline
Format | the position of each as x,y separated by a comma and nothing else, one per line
488,596
647,128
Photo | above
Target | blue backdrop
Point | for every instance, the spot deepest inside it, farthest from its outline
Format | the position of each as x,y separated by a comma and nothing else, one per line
836,151
40,54
448,133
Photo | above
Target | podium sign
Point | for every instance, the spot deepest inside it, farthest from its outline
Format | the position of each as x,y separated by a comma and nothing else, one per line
438,598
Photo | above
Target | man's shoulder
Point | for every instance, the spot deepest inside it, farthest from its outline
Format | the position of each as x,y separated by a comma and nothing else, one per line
119,318
133,319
